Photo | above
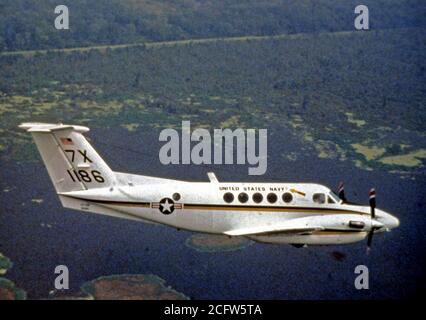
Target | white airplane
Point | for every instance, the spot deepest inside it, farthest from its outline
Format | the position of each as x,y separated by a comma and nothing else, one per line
293,213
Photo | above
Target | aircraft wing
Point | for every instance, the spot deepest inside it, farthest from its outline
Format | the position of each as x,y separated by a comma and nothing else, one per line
287,228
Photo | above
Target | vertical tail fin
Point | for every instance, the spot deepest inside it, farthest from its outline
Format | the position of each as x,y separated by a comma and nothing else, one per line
71,161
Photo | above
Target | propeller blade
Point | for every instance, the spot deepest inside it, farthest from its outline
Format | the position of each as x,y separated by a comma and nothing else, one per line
372,196
341,191
370,238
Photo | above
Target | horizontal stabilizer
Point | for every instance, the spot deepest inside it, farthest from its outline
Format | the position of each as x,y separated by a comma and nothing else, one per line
49,127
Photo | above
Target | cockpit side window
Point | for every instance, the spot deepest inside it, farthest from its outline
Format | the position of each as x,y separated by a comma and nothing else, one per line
330,200
318,198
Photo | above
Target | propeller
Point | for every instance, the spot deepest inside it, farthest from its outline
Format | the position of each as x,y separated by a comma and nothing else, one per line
341,192
372,197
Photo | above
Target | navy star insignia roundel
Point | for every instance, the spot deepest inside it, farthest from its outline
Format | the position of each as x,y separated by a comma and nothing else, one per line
167,206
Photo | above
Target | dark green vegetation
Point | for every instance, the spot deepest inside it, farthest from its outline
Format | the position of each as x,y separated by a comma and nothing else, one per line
8,290
347,95
5,264
26,24
356,96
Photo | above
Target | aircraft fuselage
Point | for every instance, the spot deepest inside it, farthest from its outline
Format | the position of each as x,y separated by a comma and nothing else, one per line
203,207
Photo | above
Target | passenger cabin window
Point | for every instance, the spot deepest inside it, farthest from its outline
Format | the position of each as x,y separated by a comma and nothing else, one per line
287,197
272,197
257,197
228,197
243,197
318,198
176,196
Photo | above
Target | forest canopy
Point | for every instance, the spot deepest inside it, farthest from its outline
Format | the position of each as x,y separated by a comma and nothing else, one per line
29,25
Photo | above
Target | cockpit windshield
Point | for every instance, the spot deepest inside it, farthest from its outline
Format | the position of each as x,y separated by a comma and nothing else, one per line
334,197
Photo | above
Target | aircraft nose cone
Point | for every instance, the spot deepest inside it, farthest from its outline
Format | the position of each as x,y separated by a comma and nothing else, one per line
393,222
389,221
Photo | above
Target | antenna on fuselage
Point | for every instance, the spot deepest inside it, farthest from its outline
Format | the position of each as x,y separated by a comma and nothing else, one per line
341,192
